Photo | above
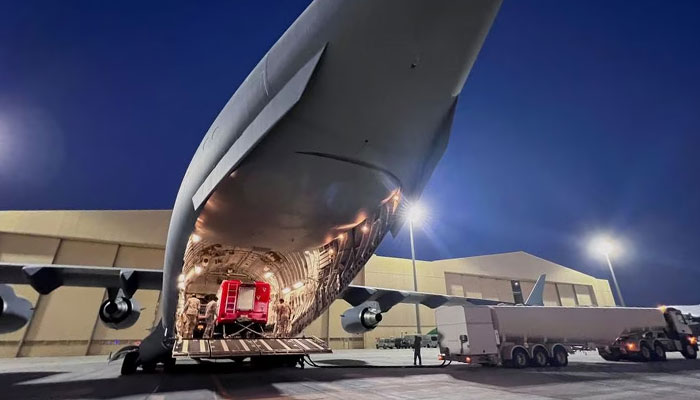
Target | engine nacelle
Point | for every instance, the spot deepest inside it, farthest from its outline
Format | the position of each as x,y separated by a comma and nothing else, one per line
362,318
14,311
120,313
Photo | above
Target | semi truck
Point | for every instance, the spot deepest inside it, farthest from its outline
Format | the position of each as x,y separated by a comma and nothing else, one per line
519,336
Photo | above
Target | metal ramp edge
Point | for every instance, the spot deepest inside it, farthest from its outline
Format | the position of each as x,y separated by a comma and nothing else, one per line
228,348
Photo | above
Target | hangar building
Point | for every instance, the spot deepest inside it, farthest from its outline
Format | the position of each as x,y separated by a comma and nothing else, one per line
65,322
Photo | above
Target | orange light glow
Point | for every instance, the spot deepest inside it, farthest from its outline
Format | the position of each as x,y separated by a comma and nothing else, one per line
468,360
631,347
365,228
441,357
693,340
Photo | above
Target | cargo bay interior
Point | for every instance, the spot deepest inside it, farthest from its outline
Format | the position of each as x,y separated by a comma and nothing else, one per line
65,322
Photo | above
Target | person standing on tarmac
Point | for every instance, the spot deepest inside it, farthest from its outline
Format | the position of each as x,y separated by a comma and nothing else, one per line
416,351
210,317
191,312
283,313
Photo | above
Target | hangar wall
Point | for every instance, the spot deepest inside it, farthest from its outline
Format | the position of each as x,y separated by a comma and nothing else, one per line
65,322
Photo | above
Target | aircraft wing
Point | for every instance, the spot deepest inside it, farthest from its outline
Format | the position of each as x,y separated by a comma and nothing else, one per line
387,298
45,278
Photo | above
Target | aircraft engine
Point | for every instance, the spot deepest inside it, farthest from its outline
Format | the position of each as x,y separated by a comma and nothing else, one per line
120,313
362,318
14,311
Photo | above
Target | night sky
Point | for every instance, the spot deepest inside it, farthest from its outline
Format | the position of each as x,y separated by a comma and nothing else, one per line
578,117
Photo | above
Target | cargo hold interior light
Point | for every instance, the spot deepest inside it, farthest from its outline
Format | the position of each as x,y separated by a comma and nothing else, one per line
308,278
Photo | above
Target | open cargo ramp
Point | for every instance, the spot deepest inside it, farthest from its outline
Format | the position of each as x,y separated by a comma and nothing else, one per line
227,348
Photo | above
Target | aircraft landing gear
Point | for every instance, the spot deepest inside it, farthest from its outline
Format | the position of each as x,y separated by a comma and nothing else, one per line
130,363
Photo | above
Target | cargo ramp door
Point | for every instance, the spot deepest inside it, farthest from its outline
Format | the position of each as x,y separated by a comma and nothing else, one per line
227,348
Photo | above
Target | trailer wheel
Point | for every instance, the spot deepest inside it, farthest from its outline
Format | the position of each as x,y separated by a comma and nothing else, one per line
539,357
560,358
689,351
659,352
645,353
520,358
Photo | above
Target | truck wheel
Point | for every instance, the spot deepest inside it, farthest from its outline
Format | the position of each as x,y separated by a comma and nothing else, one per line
611,356
689,351
560,357
539,358
520,358
130,363
659,352
644,352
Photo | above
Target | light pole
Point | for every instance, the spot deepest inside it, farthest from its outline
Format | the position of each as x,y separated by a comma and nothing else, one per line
415,214
605,245
617,287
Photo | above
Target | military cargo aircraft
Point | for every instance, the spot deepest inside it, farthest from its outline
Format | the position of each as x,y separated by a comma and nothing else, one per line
304,171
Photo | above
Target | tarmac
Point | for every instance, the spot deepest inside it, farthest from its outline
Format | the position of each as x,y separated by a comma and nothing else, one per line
352,376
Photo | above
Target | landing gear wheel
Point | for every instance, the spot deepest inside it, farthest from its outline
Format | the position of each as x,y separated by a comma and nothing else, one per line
169,364
130,363
149,367
520,358
539,358
659,352
689,351
644,352
560,358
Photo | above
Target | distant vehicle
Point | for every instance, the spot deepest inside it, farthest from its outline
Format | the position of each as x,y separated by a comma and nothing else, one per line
386,343
538,336
429,341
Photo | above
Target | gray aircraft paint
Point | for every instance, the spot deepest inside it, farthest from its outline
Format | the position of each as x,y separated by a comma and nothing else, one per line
390,74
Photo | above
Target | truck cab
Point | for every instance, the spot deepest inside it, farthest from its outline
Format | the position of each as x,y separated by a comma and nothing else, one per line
653,344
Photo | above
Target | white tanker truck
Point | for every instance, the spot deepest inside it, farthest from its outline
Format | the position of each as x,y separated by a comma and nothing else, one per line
521,336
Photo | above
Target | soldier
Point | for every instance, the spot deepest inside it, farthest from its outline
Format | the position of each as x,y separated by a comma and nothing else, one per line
416,351
283,313
191,312
210,317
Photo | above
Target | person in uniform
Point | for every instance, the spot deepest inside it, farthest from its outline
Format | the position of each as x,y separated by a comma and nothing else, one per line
283,313
191,313
416,350
210,317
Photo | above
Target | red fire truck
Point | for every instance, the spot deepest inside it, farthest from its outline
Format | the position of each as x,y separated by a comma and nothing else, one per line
243,308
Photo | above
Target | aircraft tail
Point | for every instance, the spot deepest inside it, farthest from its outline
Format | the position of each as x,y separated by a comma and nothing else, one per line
536,295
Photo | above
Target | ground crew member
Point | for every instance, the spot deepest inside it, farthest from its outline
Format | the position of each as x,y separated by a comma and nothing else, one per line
191,312
416,351
283,313
180,323
210,317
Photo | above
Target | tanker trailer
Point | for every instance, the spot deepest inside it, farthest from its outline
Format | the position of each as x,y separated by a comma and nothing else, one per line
520,336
